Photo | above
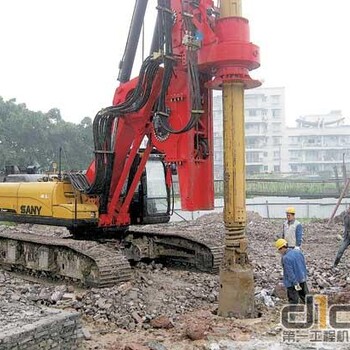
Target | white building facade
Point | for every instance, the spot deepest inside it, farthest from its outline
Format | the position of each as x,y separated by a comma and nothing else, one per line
317,144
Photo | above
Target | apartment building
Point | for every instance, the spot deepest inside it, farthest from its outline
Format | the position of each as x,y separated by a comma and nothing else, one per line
264,128
316,145
319,143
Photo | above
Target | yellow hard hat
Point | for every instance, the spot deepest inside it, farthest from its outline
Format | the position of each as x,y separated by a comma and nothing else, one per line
281,242
290,210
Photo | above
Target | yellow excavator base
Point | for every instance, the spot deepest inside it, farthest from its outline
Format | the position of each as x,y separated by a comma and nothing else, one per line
48,203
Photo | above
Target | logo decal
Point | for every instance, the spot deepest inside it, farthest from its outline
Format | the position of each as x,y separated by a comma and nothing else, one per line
30,209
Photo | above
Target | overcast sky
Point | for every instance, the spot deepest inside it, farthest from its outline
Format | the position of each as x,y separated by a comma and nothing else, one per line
64,54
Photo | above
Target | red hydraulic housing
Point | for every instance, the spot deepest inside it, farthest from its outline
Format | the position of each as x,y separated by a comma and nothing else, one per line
232,55
224,53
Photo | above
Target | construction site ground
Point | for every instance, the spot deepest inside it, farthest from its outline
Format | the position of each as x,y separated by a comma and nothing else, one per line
173,307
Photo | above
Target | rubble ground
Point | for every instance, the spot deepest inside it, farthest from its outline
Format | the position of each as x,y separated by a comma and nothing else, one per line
171,308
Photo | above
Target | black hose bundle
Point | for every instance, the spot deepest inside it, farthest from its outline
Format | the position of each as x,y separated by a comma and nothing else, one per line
104,130
161,116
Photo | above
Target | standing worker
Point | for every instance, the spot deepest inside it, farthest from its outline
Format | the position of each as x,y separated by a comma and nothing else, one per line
294,272
346,237
292,229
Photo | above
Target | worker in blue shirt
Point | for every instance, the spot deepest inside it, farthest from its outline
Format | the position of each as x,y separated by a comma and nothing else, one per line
292,229
294,272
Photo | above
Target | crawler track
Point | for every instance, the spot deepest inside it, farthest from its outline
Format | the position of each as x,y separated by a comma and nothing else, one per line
89,263
102,263
176,247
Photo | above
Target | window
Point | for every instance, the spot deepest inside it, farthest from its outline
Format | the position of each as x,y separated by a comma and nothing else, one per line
252,112
294,140
252,157
276,127
217,103
218,142
276,155
218,157
156,189
251,97
276,140
276,113
275,99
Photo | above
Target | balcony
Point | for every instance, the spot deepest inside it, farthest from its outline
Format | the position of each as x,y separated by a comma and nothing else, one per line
303,161
255,162
255,148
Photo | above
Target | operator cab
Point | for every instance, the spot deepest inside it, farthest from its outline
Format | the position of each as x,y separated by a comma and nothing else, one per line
151,201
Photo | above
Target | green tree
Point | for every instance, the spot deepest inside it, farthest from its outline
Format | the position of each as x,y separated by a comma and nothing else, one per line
28,137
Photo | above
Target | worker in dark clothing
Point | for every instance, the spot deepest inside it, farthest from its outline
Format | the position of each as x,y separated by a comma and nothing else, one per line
294,272
346,237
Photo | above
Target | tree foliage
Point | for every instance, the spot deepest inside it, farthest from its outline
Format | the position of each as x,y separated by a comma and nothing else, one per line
28,137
